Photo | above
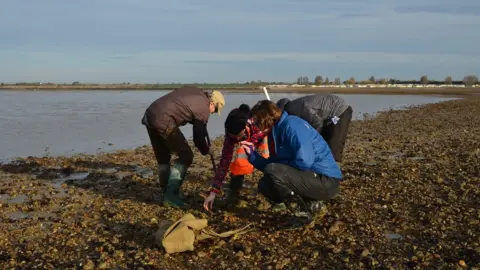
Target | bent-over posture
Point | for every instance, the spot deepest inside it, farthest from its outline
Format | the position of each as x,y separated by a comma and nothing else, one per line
330,115
163,119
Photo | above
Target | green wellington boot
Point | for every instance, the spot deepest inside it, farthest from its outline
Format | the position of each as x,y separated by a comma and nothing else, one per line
172,195
163,174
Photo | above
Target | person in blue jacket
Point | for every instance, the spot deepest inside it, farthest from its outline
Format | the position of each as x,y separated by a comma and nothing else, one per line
301,165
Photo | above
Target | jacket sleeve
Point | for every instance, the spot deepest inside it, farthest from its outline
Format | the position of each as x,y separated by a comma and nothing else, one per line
314,119
260,162
199,136
222,169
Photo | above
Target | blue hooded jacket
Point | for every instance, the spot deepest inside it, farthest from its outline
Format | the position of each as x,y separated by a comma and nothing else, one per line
299,145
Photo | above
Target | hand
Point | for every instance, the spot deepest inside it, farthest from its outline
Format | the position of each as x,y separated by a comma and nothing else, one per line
247,146
208,203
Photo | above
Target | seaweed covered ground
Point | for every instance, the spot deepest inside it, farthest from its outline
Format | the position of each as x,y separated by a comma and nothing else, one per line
410,199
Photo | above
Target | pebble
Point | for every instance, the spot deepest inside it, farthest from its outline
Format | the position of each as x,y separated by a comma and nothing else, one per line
110,170
365,253
335,227
89,265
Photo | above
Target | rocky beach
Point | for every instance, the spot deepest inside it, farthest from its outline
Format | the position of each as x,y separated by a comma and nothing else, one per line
409,200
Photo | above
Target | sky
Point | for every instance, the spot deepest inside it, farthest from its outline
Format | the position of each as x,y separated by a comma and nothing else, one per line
150,41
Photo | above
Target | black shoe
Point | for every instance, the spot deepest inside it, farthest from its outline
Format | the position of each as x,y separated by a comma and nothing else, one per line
299,222
306,212
317,209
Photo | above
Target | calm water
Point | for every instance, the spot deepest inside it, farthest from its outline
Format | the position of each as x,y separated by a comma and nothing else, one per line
64,123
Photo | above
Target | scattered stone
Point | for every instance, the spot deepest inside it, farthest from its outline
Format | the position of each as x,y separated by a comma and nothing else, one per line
104,220
393,236
335,227
110,170
365,253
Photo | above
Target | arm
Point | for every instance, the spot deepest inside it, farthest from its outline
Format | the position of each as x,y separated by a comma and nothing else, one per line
314,119
199,134
227,154
258,161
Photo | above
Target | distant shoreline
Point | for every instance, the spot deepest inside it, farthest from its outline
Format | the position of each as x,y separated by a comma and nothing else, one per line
451,91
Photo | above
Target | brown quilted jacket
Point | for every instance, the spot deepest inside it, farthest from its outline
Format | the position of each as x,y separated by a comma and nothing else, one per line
188,104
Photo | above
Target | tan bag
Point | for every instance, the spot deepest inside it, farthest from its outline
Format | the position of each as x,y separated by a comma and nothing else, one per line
179,236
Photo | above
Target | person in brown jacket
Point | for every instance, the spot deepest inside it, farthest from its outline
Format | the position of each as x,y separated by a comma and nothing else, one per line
163,118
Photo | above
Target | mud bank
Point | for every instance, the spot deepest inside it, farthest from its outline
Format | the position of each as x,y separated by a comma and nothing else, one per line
409,200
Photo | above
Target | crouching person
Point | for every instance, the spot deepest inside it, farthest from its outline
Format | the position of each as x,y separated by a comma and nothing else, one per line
238,127
300,167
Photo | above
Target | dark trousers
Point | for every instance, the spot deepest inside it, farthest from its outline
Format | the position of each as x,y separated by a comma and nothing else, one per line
173,143
280,180
336,135
236,183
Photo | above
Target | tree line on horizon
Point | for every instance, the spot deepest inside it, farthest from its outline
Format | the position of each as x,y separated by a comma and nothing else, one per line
468,80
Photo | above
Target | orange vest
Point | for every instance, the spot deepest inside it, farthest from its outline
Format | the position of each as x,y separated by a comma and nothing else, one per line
240,164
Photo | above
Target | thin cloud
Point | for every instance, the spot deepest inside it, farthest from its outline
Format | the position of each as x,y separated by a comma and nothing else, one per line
454,9
225,40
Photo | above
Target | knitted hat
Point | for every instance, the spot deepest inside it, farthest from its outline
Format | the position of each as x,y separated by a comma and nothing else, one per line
237,120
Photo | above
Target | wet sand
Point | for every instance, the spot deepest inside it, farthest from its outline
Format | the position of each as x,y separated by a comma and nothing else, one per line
409,200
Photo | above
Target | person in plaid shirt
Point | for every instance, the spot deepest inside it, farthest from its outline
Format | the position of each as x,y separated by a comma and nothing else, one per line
238,127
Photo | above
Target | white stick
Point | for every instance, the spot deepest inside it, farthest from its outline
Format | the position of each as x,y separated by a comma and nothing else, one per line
266,93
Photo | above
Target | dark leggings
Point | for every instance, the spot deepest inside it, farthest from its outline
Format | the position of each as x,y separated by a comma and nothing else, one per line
279,181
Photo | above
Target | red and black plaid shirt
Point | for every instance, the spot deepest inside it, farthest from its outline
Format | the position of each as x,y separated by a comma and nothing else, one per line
256,137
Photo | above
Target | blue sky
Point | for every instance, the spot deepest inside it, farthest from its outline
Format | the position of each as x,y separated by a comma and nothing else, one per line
226,41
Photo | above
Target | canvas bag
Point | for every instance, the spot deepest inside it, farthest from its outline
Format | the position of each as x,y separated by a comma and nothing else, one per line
179,236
